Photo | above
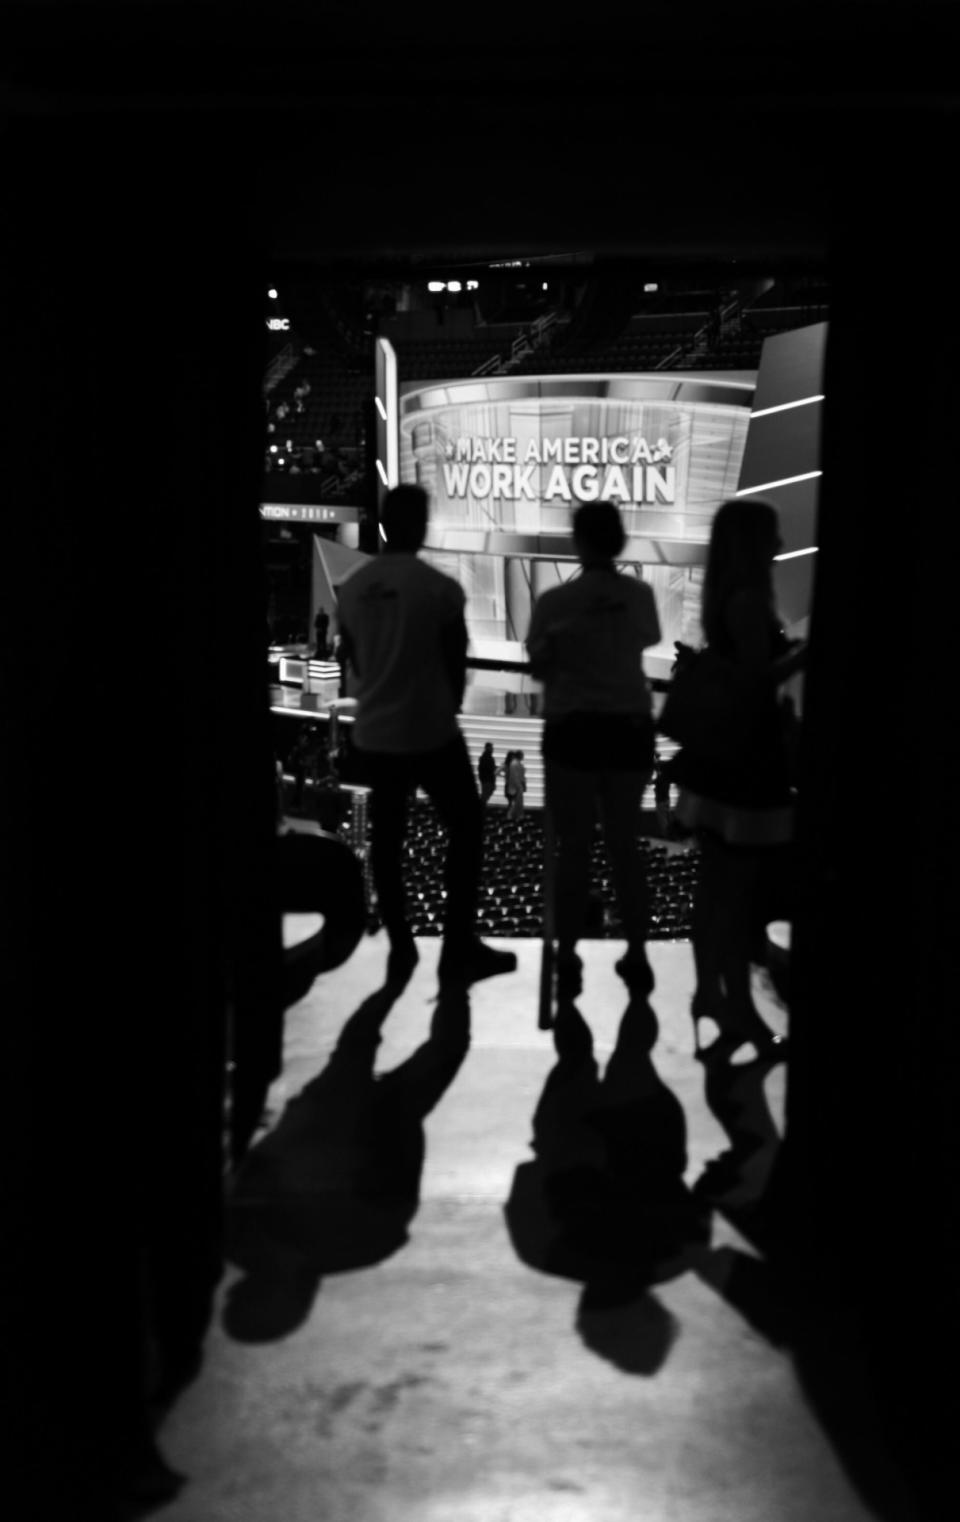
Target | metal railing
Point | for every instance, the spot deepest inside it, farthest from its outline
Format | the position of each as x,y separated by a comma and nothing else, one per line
280,367
526,342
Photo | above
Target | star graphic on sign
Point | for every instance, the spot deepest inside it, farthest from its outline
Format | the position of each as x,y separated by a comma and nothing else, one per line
663,450
448,450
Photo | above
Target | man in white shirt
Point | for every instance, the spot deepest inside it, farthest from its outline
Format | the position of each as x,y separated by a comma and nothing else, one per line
586,643
405,639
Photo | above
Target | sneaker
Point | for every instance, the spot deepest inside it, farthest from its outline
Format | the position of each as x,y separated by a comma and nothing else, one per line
401,960
569,975
478,961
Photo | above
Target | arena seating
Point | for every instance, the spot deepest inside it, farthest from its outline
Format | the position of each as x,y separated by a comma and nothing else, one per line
672,341
511,893
445,359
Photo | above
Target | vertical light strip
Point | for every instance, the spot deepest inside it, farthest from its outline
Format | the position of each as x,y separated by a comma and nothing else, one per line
387,415
392,420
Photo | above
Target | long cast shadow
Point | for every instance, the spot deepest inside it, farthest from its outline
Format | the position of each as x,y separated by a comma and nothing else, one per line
336,1184
604,1200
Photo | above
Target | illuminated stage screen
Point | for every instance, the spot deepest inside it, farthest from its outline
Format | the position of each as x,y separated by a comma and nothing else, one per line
507,460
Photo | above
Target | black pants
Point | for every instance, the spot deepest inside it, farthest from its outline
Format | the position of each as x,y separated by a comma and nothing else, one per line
446,776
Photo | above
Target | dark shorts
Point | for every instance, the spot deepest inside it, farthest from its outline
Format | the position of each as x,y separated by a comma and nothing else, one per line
592,742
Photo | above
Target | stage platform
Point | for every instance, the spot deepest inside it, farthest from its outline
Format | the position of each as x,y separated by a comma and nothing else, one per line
498,719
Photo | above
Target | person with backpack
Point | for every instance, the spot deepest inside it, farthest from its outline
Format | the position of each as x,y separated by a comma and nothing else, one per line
734,778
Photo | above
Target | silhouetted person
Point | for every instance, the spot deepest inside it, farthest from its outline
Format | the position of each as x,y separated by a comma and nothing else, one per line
661,796
586,644
278,772
516,784
487,773
508,758
300,761
340,656
405,637
740,805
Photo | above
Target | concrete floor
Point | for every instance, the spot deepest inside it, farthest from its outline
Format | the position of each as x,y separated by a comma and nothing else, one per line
404,1334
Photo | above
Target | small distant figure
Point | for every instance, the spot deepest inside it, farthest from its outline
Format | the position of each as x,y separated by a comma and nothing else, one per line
321,633
506,773
340,656
487,773
280,800
661,796
516,785
299,762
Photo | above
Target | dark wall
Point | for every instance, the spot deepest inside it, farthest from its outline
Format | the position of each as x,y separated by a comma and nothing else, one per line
137,937
136,929
868,1186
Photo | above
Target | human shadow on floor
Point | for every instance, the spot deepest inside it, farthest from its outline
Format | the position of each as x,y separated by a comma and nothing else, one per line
736,1185
336,1184
735,1181
604,1200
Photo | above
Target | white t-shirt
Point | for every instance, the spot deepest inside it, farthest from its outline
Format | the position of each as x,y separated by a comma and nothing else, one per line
393,611
586,644
516,777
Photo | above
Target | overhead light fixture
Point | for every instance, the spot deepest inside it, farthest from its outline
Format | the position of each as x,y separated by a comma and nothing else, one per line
436,285
454,285
473,285
651,285
272,294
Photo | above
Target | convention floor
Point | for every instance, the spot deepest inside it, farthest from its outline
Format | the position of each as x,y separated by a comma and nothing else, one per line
436,1309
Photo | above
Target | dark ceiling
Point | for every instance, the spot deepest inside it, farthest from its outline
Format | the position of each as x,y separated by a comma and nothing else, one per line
396,137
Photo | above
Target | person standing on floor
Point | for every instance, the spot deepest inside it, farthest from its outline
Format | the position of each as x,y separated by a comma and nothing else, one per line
506,773
487,773
661,796
405,639
516,784
321,626
739,806
586,644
